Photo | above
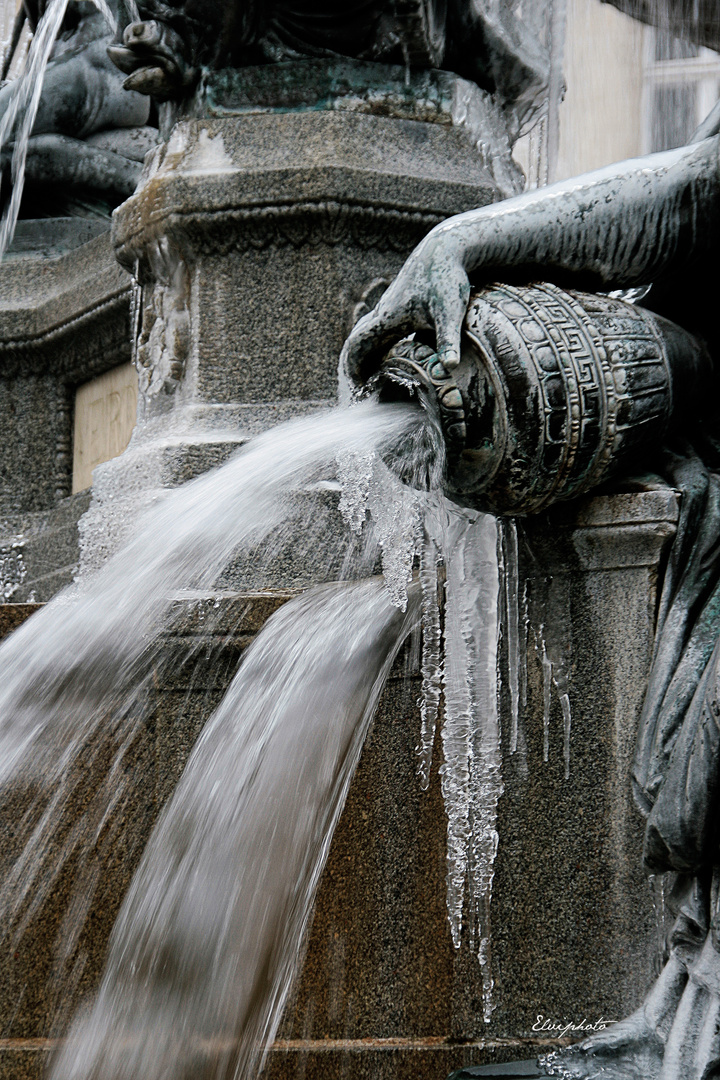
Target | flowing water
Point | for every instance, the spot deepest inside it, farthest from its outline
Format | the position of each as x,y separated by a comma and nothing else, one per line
209,935
203,954
78,668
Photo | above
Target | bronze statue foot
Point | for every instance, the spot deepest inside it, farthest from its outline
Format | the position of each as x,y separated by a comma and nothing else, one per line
633,1049
692,1049
154,58
630,1050
675,1035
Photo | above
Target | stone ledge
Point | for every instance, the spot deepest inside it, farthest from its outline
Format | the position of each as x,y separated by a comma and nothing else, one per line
361,86
614,531
220,623
429,1058
48,238
629,508
255,171
370,88
40,300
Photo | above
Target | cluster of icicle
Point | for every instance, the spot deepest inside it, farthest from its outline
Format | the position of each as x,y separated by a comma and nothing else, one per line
459,667
472,558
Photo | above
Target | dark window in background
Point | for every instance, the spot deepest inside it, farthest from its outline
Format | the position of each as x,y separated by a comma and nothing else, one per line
684,86
674,114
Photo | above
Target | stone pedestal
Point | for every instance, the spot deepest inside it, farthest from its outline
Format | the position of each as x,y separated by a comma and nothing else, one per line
64,319
382,992
257,236
258,240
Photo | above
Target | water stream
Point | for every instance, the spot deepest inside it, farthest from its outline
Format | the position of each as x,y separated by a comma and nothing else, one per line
208,938
203,954
78,669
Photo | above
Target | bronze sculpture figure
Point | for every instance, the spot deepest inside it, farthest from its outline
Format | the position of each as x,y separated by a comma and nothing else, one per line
653,221
492,46
90,136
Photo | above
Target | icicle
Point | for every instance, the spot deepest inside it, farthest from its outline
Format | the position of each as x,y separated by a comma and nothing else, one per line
567,724
407,523
19,117
525,643
472,781
456,732
431,658
556,84
395,510
483,584
547,687
512,627
355,470
548,618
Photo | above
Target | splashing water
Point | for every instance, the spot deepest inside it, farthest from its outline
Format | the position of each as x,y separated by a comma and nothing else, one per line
186,992
201,958
74,676
25,102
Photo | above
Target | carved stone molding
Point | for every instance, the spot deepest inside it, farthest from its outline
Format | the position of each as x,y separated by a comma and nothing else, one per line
298,225
67,317
77,349
297,180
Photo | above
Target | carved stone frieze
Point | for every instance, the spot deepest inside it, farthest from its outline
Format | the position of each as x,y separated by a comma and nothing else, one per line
163,344
305,224
296,180
100,339
297,225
